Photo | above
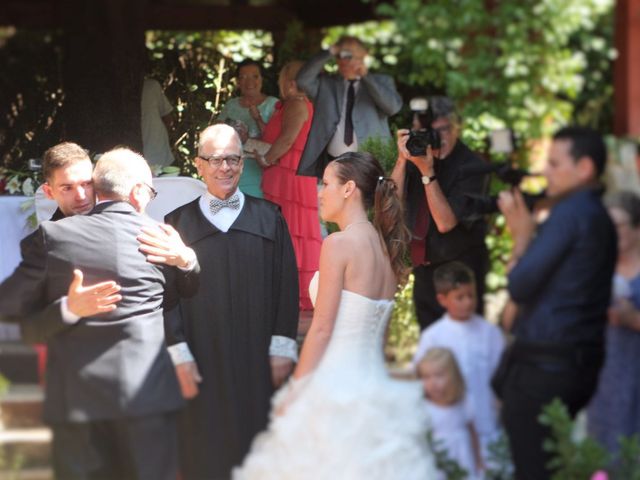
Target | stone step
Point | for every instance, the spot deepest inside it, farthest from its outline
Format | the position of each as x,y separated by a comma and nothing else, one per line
44,473
25,449
21,406
25,443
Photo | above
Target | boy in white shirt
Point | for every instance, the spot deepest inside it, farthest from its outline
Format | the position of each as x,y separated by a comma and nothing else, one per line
476,344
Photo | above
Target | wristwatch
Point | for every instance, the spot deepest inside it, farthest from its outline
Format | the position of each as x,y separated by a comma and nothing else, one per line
427,180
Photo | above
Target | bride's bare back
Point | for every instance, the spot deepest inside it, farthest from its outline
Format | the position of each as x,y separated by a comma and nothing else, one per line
368,269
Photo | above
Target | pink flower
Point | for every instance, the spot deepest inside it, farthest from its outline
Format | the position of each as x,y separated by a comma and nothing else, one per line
600,475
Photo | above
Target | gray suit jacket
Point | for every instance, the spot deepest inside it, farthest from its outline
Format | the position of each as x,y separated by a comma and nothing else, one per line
376,99
114,365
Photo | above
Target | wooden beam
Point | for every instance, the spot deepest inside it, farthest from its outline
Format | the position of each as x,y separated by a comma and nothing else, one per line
164,17
627,68
326,13
29,14
45,14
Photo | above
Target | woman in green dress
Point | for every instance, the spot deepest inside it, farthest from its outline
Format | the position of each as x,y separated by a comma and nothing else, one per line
254,109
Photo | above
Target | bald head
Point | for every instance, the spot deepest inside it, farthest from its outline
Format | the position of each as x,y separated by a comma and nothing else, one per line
220,142
117,173
216,137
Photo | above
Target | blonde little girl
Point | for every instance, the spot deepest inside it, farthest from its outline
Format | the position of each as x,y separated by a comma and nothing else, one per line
451,416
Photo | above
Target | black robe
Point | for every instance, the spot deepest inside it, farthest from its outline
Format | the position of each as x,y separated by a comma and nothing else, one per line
248,292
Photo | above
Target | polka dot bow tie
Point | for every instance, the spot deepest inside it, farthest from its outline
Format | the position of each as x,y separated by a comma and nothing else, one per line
233,202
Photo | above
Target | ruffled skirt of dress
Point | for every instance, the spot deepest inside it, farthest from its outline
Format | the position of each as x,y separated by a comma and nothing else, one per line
297,196
376,432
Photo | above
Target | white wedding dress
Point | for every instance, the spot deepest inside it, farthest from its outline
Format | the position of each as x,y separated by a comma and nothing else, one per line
349,419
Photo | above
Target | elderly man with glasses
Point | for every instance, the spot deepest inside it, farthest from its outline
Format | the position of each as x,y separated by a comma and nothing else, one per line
111,390
436,193
237,335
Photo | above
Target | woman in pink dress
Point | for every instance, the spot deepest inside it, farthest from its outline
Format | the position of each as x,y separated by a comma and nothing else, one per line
287,132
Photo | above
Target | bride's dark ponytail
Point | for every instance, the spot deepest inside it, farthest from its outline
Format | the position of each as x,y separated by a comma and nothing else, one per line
388,218
379,192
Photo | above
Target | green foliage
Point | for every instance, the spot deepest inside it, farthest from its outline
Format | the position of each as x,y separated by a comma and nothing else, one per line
449,467
520,64
385,150
499,462
572,460
579,459
404,331
628,464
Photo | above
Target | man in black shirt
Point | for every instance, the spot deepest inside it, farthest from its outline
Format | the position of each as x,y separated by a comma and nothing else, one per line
435,193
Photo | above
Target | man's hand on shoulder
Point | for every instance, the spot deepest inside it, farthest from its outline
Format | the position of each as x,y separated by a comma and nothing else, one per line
93,299
164,246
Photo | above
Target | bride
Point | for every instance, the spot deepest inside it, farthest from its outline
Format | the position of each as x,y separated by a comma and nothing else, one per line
341,415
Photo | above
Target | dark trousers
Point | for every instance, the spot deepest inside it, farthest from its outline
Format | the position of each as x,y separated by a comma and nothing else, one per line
528,386
133,448
426,304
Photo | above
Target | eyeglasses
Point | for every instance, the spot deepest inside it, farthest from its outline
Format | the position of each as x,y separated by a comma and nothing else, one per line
444,129
153,193
216,160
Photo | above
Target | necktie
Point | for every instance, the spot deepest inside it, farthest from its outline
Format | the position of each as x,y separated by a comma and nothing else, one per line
233,202
348,121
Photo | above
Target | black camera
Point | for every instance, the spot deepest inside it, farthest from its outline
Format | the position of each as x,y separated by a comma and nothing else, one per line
485,205
419,140
425,136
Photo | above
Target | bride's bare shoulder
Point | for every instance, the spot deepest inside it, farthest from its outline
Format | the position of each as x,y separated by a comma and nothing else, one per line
337,243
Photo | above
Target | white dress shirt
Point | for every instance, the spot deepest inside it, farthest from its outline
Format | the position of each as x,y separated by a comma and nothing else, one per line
336,145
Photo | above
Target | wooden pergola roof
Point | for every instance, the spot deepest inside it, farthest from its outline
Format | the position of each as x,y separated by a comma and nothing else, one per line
274,15
207,14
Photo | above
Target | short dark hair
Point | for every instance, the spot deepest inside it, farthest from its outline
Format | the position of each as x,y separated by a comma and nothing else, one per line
451,275
248,62
61,155
443,107
585,142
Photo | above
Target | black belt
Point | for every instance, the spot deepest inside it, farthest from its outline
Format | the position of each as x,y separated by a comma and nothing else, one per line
567,355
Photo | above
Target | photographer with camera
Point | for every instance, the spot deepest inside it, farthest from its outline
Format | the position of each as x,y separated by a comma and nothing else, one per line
348,107
430,158
560,280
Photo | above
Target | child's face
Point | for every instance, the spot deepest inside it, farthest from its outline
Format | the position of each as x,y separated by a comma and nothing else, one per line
460,302
436,383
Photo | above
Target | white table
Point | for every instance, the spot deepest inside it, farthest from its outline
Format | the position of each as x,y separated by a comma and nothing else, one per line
14,227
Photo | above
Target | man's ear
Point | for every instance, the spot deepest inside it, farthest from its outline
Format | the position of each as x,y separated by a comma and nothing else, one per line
48,192
135,199
199,166
586,169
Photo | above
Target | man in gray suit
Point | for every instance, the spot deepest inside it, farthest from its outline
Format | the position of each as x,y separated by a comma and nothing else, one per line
111,389
349,108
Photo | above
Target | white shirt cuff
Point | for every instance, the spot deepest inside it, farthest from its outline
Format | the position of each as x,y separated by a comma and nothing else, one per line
283,347
68,316
191,262
180,353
